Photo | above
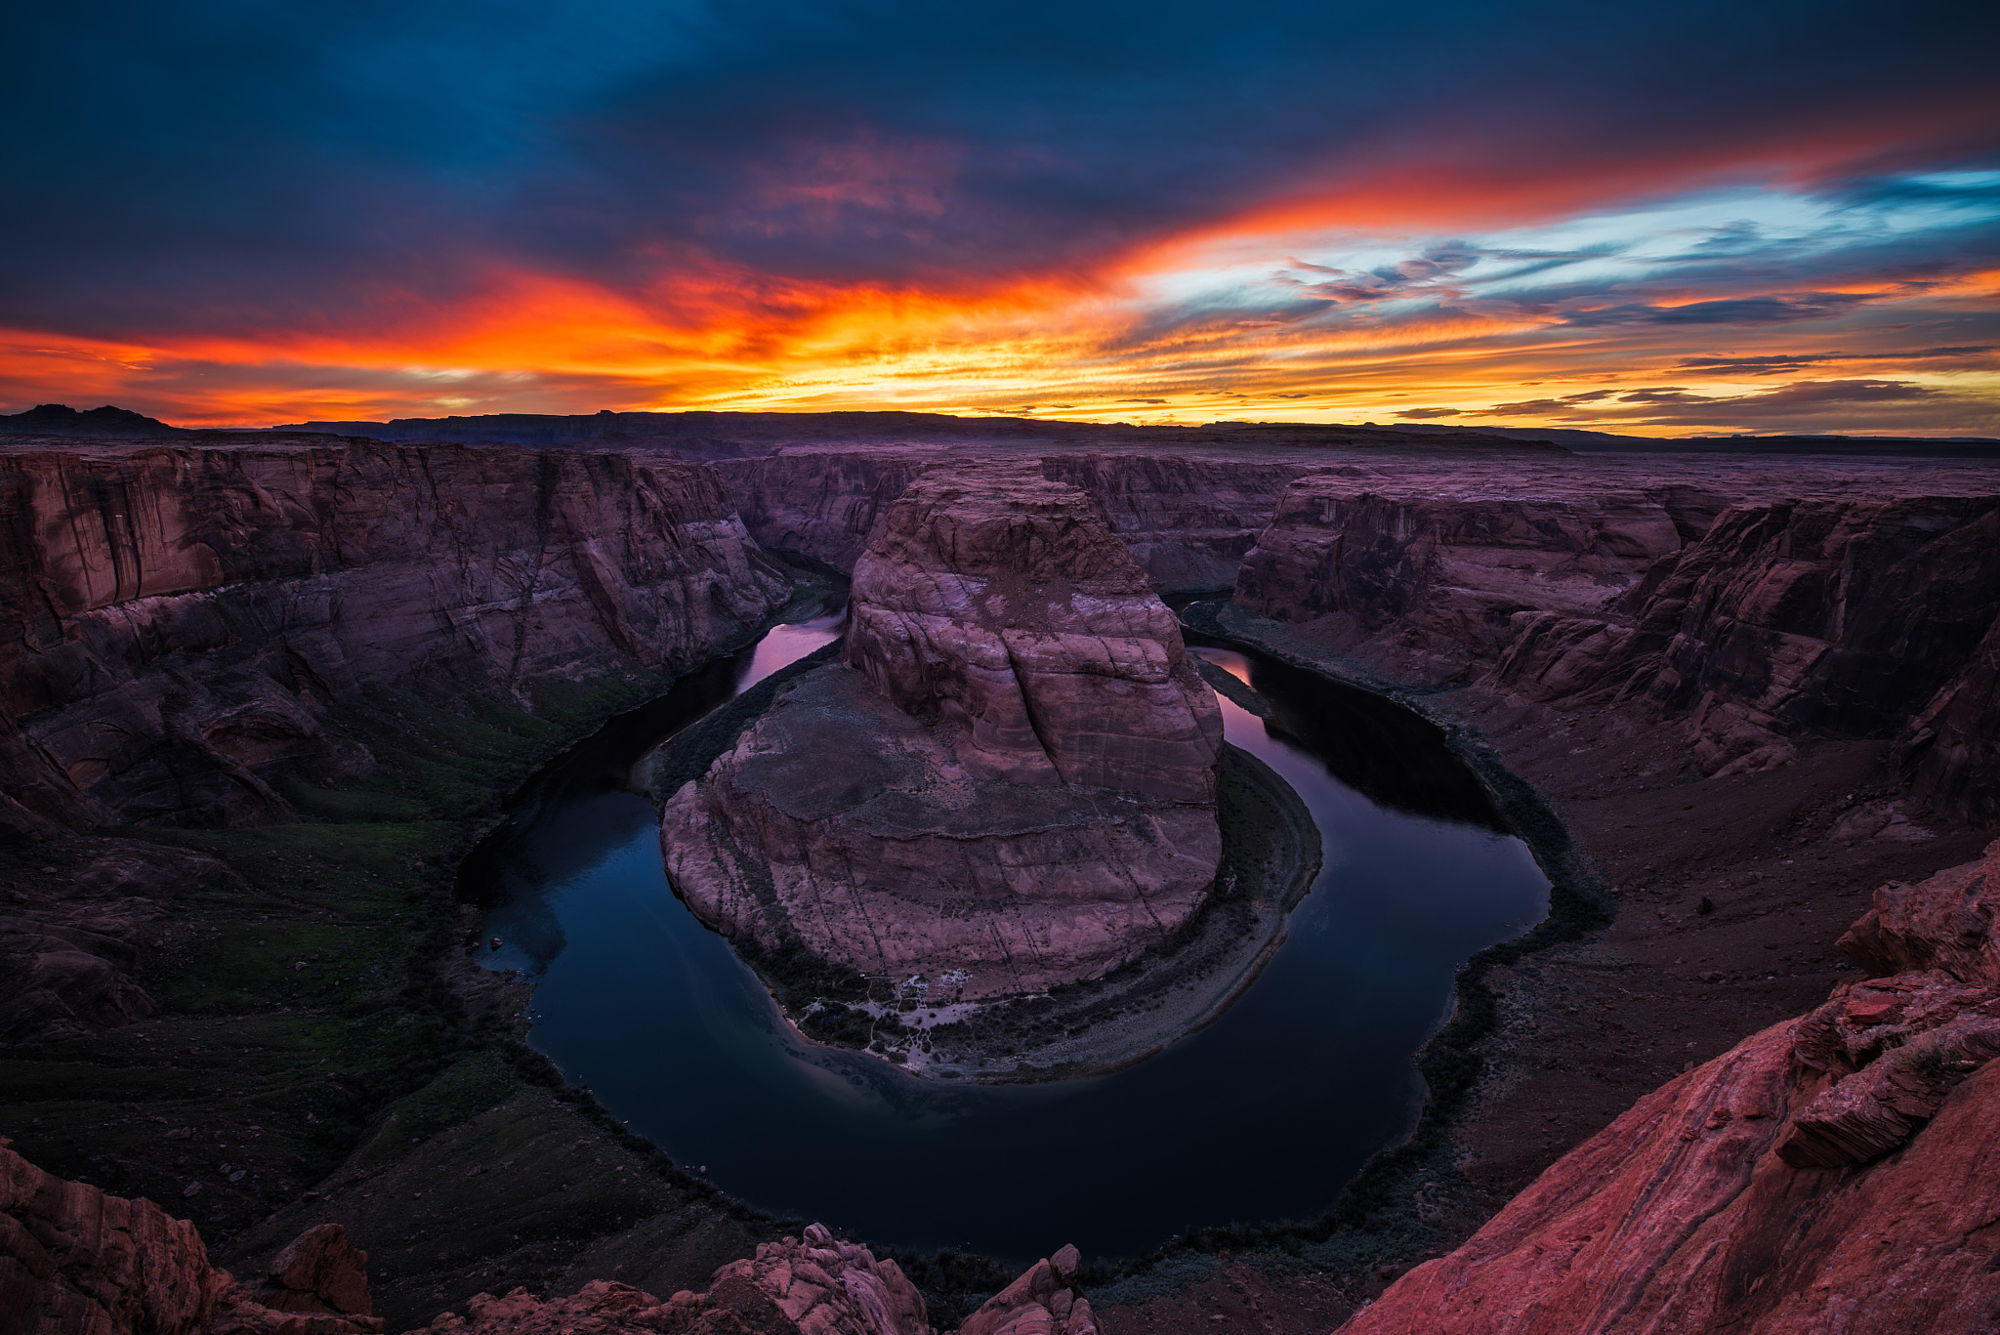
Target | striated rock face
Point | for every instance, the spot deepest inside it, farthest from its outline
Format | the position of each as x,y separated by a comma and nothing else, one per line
1002,603
1446,572
1837,1172
73,1259
1837,617
176,623
1009,784
1186,518
822,502
1756,622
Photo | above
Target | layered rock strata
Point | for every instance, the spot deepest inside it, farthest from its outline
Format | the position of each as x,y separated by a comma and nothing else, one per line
1756,623
1007,785
177,623
1446,571
1187,519
1836,1172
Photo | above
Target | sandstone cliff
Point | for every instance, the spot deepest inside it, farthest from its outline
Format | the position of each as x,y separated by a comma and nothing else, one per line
1009,784
1755,623
1839,1172
1188,519
176,624
1444,570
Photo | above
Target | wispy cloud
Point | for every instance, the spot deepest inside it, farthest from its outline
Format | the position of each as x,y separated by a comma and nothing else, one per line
1125,209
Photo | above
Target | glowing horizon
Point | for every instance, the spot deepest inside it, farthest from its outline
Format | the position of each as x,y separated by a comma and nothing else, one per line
1064,232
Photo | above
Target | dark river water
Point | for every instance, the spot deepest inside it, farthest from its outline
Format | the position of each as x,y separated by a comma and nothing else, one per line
1263,1115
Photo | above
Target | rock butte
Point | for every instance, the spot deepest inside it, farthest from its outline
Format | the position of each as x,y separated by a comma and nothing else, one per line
1008,784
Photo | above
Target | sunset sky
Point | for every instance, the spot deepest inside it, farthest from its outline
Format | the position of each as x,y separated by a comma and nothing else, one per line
1659,218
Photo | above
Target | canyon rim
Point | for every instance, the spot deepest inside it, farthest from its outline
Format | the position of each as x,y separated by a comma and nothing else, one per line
922,669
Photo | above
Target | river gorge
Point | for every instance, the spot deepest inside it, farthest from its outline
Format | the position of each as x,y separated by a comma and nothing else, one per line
1280,1099
1396,858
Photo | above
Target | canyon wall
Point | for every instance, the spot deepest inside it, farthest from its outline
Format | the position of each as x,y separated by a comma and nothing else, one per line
176,624
1442,570
1188,519
1838,1172
1010,782
1754,623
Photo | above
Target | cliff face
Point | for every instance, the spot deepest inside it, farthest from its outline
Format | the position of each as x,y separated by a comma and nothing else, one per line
1188,519
1953,754
1838,617
1835,1172
1755,623
997,601
1010,783
176,623
1445,572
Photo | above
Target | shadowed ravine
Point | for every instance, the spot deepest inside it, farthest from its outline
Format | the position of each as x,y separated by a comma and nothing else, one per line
1263,1114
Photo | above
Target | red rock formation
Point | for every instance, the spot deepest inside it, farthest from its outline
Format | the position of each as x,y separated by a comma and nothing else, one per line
1044,1301
1840,1172
1003,603
1838,617
1012,786
1445,569
1846,617
812,1285
74,1261
175,622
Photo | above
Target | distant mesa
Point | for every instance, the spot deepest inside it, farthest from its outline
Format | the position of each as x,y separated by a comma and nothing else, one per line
57,419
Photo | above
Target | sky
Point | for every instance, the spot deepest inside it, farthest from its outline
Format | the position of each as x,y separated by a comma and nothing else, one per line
1659,218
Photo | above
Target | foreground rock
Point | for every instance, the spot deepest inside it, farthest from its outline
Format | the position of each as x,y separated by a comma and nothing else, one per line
73,1259
1008,785
1835,1172
810,1285
178,623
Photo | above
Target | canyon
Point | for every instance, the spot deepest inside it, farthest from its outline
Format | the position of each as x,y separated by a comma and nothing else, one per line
263,689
